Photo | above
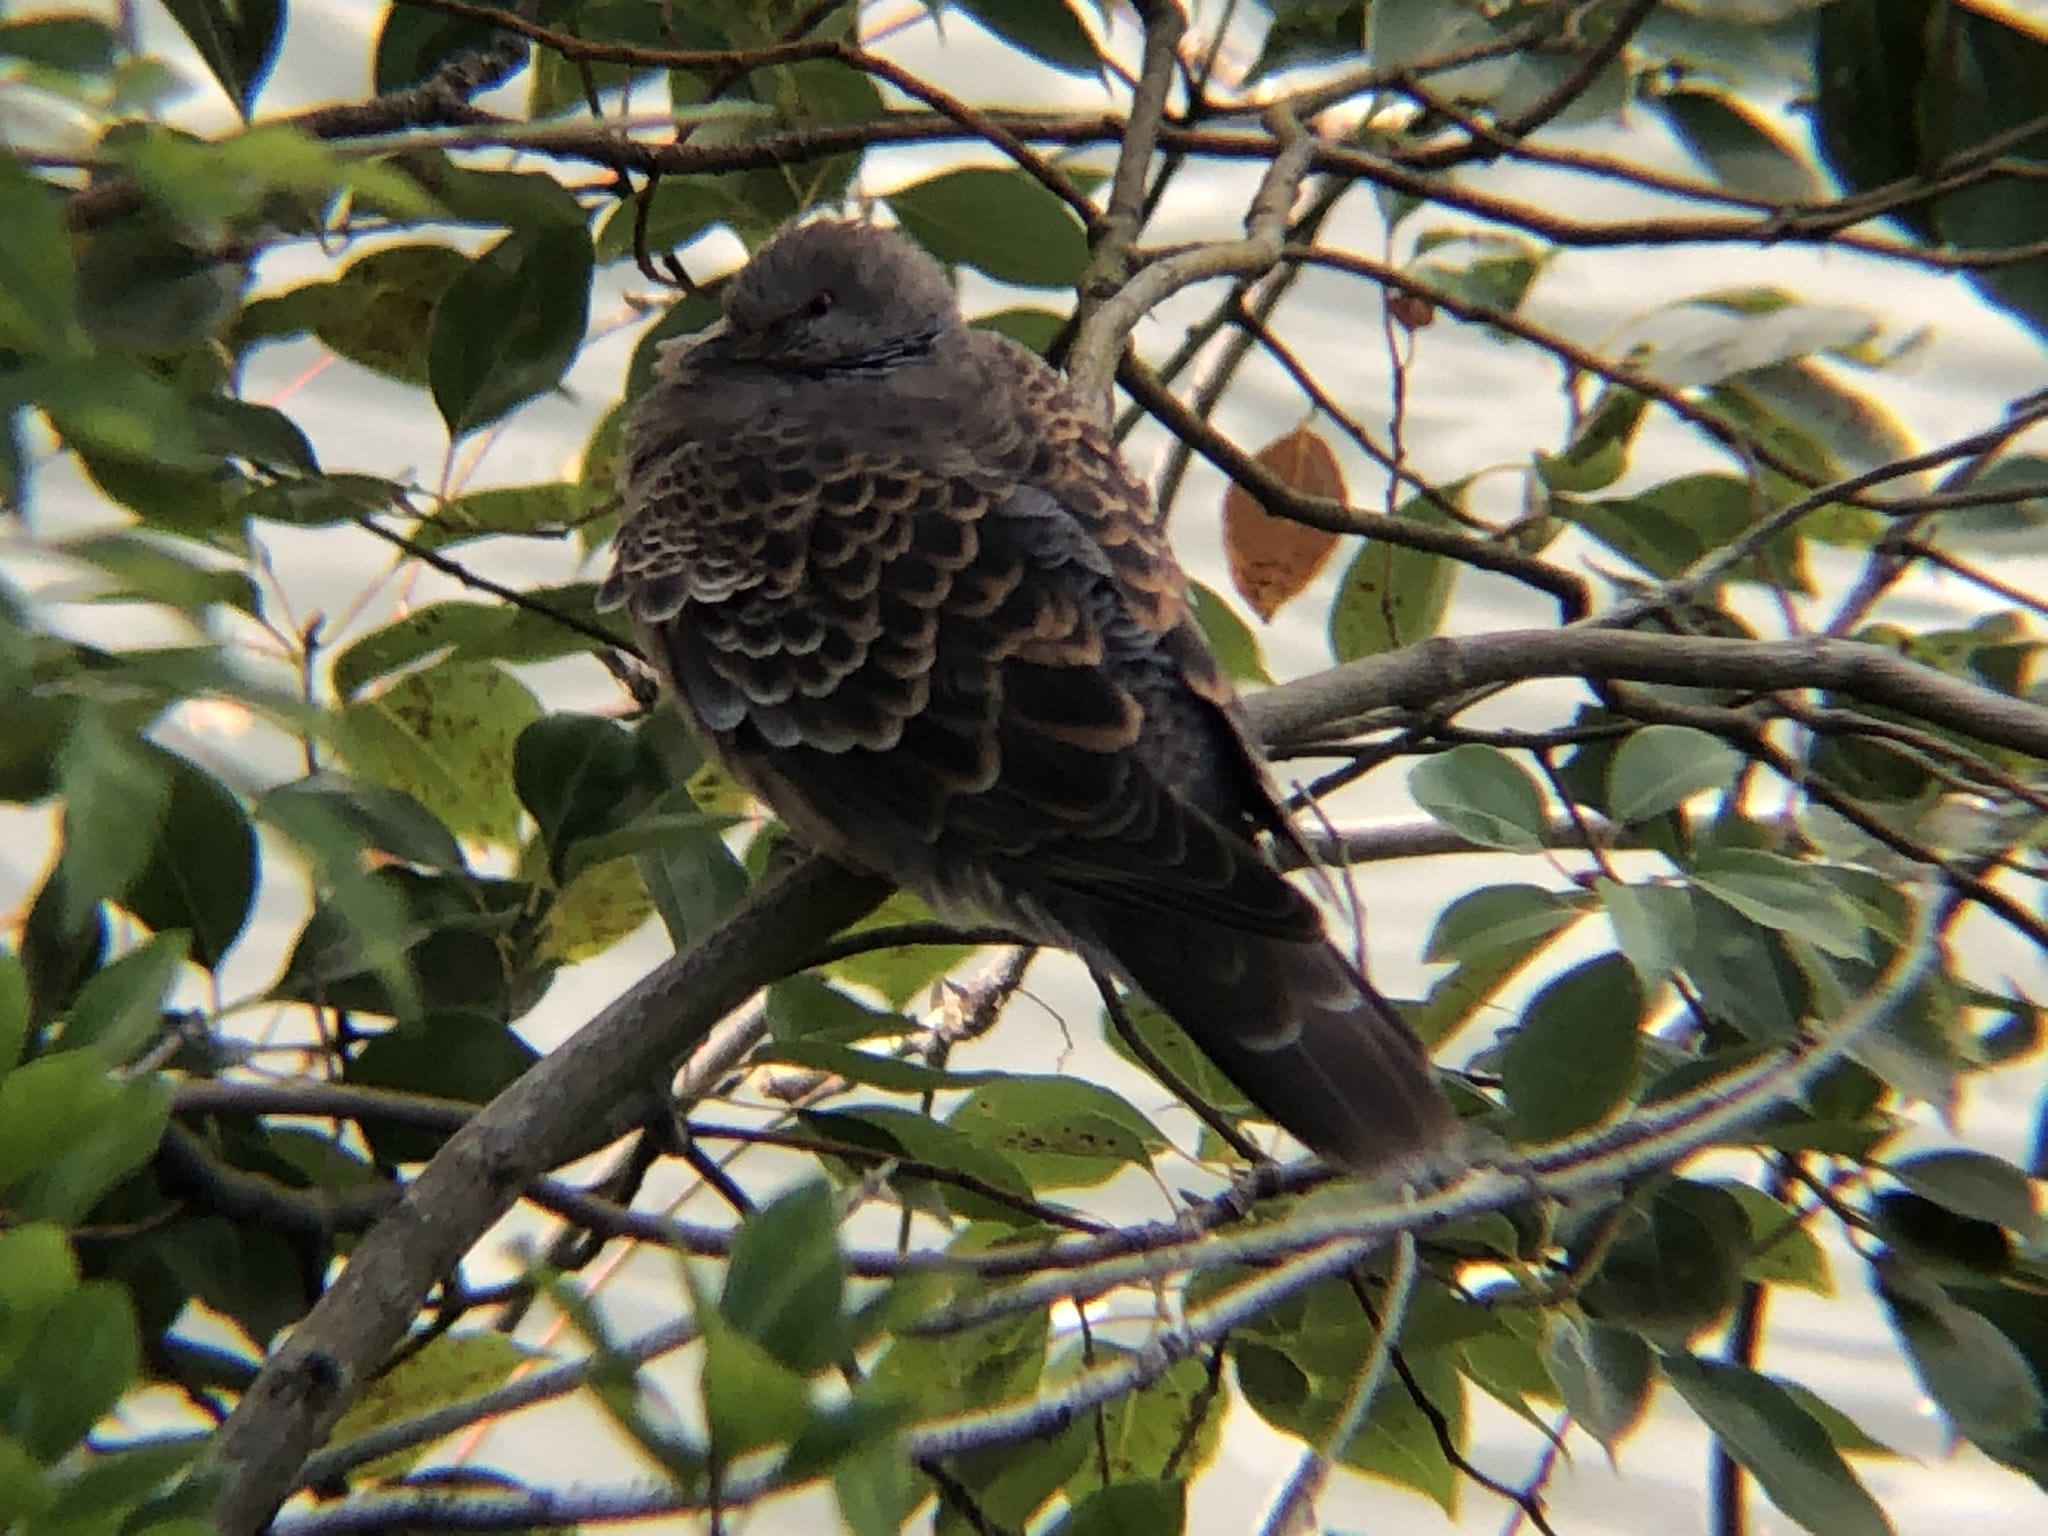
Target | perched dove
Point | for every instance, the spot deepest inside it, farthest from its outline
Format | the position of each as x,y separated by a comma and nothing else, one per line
908,594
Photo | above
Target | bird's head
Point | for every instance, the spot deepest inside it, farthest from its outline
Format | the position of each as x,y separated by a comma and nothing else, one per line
835,295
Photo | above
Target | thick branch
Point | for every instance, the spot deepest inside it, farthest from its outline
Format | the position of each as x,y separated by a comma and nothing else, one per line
585,1093
1437,669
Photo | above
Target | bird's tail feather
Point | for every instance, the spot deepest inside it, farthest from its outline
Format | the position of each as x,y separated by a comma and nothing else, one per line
1297,1028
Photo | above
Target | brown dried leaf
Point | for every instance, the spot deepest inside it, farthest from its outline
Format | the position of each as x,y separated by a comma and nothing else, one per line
1272,558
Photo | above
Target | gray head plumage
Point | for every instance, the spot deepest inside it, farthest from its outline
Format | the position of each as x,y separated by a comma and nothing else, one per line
832,294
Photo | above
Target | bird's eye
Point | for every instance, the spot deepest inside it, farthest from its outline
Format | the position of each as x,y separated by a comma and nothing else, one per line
821,304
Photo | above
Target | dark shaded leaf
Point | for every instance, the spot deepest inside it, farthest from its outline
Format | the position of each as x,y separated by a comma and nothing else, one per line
385,819
1045,29
1781,1445
200,874
1575,1055
1001,222
508,327
450,1056
785,1282
238,41
1745,153
1973,1184
1675,1270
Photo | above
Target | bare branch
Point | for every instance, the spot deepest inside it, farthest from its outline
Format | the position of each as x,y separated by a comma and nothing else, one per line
1092,363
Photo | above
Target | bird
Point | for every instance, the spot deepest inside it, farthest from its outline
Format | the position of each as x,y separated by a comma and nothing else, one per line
909,595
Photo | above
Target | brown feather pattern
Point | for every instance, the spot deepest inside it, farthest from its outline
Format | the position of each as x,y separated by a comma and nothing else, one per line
909,594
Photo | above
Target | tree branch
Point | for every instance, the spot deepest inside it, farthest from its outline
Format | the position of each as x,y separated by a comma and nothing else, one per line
1092,362
1434,670
585,1093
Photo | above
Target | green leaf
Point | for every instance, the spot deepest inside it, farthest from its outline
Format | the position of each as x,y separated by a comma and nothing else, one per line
1780,1444
36,272
1397,1443
1122,1508
750,1398
1781,1251
412,44
1670,526
1743,972
73,1368
1404,33
1576,1054
14,1020
899,972
1602,1372
1309,29
786,1280
1493,934
1653,924
449,1056
1178,1419
71,45
1001,222
1390,596
238,41
115,795
1236,647
200,874
579,775
331,809
37,1270
547,509
466,631
807,1008
1970,1367
1676,1270
1045,29
910,1134
1746,154
602,904
1482,794
120,1010
1973,1184
378,313
508,328
1060,1132
1782,894
1660,767
450,1369
1599,448
1037,329
446,737
892,1074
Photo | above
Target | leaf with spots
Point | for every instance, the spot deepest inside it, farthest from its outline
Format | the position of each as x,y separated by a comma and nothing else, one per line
1272,559
445,737
1060,1132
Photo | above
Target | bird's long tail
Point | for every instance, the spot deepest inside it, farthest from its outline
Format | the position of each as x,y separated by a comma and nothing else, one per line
1294,1025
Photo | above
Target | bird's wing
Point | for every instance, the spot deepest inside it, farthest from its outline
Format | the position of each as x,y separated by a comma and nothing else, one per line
924,662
